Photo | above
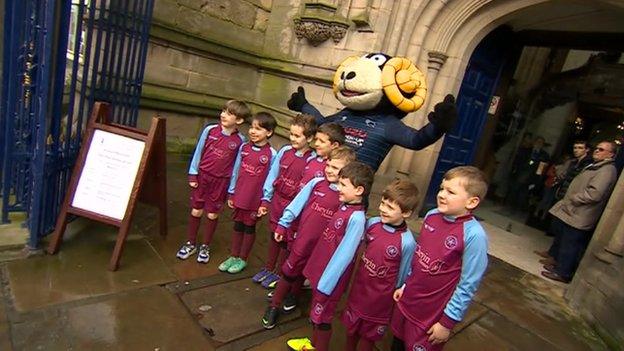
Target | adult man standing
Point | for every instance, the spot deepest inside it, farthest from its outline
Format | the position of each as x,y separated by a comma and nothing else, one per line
524,172
581,159
576,214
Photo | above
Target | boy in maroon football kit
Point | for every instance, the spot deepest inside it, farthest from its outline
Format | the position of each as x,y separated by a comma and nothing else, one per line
384,265
331,268
281,186
328,137
209,175
250,171
314,206
449,262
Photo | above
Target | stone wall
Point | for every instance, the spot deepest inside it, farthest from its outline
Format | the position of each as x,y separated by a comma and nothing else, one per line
202,53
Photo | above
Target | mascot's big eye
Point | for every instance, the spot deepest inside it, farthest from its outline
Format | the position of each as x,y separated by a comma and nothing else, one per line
379,59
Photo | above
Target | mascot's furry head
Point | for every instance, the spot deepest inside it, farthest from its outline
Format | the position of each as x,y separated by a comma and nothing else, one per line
377,80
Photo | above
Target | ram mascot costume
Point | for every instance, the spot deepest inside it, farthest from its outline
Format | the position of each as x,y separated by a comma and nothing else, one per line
377,91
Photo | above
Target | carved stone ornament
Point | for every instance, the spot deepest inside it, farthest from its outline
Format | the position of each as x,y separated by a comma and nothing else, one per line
338,31
320,21
316,31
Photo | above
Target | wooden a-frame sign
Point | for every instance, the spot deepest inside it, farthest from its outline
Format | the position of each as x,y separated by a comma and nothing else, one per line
116,166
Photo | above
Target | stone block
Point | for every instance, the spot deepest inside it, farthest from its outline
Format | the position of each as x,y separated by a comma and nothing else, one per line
220,31
241,13
162,74
273,90
262,21
165,11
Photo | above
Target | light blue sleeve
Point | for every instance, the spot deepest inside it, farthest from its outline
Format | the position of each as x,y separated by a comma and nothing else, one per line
372,221
474,263
267,189
408,245
194,166
293,210
344,253
235,171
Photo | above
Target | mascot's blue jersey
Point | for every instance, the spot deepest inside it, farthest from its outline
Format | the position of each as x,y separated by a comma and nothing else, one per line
372,135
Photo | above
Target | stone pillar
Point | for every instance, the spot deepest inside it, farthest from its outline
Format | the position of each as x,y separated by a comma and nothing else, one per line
435,63
614,249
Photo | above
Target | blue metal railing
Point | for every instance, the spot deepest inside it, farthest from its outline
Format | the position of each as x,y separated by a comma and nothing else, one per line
49,91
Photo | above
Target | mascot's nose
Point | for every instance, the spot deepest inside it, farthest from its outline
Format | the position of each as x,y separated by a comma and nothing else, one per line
350,75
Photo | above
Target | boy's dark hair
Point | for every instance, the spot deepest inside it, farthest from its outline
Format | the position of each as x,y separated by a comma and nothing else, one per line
473,180
238,109
307,122
343,152
403,192
359,174
334,131
265,120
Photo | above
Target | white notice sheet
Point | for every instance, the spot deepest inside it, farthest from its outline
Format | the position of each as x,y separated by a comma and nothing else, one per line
108,174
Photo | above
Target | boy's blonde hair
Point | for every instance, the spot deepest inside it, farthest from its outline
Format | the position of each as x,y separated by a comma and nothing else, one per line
472,179
307,122
403,192
238,109
344,153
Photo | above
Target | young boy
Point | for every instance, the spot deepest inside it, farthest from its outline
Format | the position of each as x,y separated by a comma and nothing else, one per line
331,268
281,186
209,174
315,205
328,137
449,262
250,171
384,265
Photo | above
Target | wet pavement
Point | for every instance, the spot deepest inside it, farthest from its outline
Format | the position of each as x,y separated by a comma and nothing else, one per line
70,301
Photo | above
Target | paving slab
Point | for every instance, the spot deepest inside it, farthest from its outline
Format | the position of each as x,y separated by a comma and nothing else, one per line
493,332
338,339
535,305
231,310
144,319
80,270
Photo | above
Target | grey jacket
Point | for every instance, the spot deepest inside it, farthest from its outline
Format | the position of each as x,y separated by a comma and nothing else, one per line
587,195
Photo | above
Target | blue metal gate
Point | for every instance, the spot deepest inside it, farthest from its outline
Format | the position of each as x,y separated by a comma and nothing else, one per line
60,56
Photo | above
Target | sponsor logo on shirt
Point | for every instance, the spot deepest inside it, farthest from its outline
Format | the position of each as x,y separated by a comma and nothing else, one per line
216,152
427,264
323,211
355,137
251,169
328,234
374,270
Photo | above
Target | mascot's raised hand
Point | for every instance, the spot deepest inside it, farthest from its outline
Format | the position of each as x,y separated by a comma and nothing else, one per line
377,91
444,114
297,100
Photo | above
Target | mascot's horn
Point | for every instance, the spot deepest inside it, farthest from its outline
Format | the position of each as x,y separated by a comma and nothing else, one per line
399,76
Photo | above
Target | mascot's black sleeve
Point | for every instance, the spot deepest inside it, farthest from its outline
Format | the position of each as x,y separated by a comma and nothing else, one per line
320,119
400,134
